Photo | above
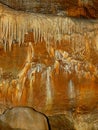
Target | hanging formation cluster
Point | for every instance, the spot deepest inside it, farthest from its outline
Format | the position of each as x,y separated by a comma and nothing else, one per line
14,25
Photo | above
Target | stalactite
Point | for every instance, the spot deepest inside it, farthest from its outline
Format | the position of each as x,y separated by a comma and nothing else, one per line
14,25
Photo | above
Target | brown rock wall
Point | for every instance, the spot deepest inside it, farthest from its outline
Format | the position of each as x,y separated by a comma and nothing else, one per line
87,9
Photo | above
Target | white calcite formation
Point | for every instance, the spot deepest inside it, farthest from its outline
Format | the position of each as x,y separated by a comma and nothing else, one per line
14,25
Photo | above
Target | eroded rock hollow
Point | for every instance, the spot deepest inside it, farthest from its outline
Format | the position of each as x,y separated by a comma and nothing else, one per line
49,62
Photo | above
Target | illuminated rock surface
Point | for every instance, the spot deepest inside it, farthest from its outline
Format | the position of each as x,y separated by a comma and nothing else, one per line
50,63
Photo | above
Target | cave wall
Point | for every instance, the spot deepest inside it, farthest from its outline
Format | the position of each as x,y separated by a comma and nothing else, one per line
56,55
49,60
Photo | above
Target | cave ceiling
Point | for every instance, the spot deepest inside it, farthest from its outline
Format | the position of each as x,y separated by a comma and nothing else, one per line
74,8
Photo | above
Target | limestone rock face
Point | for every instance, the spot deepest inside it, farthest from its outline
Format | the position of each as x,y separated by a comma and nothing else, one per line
24,119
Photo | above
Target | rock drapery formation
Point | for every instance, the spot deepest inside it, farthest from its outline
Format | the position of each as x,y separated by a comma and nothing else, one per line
55,54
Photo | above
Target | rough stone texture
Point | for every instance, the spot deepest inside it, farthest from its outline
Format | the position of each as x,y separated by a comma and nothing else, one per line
75,8
60,122
67,121
24,118
74,121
